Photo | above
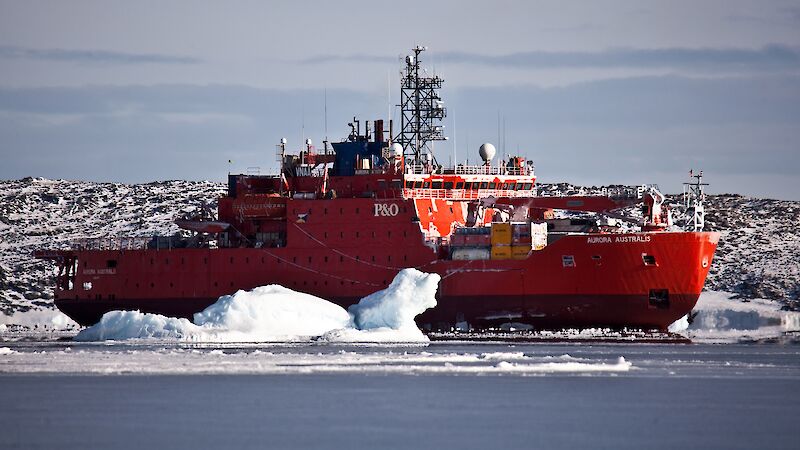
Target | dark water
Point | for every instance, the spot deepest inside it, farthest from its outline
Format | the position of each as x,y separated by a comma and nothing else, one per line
675,396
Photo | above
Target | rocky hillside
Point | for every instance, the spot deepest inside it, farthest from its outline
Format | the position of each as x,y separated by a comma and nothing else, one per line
38,213
758,256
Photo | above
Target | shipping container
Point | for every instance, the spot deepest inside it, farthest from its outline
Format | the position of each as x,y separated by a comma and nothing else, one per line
501,252
520,251
469,253
501,233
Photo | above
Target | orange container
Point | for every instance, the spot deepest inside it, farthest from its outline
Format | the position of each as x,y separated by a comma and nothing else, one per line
520,251
501,252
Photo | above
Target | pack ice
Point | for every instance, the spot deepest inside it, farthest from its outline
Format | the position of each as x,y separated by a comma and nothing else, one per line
275,313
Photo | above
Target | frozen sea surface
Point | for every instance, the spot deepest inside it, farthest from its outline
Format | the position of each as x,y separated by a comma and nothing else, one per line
63,394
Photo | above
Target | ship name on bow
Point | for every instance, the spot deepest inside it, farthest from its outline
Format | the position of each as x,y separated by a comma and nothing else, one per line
616,239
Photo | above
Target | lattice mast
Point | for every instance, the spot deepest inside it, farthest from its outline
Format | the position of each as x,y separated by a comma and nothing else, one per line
422,110
694,197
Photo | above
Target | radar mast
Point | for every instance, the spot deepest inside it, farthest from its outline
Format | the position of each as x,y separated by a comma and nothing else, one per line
422,110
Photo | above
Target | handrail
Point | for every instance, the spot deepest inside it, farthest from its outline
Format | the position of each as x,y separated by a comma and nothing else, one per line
115,243
465,194
462,169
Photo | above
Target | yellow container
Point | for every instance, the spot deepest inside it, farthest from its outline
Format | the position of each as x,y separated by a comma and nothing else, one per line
520,251
501,233
501,252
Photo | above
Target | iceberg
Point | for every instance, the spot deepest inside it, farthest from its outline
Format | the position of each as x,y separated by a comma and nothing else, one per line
274,314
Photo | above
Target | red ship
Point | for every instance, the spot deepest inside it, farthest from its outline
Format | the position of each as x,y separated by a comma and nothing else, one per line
339,223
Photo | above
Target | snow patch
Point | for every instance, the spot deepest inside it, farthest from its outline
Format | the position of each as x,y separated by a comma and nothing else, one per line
275,313
47,319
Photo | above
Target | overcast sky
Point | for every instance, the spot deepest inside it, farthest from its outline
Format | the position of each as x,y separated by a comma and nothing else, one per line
594,92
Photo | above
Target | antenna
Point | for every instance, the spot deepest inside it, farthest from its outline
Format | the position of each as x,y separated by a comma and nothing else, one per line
455,141
504,137
325,95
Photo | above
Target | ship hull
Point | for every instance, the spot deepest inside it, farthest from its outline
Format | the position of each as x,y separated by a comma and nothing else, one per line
640,280
553,311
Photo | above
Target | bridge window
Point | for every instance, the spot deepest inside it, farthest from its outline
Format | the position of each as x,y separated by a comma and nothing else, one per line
409,184
492,185
527,186
381,185
460,185
426,185
436,185
397,184
417,184
448,185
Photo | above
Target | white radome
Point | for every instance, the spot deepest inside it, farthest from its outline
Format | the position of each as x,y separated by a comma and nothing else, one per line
396,149
487,152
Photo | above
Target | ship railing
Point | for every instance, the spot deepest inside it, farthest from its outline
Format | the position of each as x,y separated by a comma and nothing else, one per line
111,243
463,169
465,194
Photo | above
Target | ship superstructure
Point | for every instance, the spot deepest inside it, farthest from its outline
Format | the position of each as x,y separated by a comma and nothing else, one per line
341,221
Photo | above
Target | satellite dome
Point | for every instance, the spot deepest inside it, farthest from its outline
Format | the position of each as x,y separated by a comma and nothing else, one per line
308,141
487,152
396,149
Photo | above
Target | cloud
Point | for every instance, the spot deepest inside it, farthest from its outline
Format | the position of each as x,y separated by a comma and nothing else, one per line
769,57
359,58
630,130
92,56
